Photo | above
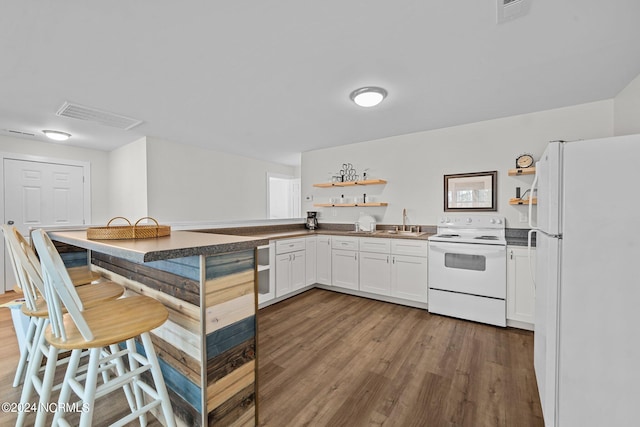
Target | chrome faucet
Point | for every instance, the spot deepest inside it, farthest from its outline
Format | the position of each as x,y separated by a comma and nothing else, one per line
404,219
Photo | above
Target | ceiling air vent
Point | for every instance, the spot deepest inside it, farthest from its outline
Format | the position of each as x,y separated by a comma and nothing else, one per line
81,112
511,9
19,132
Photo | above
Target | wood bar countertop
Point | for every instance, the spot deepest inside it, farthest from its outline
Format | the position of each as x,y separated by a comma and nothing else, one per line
179,244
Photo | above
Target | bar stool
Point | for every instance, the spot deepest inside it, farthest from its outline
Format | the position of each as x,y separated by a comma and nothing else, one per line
93,328
80,276
35,307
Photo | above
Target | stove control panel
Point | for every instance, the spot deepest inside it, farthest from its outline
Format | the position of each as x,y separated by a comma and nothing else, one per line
472,221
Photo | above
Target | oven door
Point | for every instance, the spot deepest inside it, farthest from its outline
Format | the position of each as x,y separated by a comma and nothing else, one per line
474,269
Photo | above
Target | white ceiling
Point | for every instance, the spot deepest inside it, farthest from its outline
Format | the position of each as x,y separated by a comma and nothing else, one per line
271,79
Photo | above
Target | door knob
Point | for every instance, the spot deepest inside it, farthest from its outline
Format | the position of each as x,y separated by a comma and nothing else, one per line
10,222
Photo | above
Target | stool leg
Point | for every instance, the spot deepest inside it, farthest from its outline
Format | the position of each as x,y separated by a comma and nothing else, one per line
120,369
28,344
158,379
47,384
89,395
33,366
133,365
65,391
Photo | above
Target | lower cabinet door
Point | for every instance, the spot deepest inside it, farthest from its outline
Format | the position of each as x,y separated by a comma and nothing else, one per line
375,273
283,274
520,286
323,260
310,253
409,277
298,269
344,269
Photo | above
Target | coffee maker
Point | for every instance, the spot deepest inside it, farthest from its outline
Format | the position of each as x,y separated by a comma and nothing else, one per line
312,220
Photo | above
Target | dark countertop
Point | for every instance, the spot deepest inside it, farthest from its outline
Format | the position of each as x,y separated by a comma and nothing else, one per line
178,245
514,236
336,230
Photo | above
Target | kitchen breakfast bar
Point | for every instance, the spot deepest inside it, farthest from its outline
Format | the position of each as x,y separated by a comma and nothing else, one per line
207,347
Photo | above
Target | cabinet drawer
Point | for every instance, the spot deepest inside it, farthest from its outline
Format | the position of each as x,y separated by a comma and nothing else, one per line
409,247
290,245
370,244
344,242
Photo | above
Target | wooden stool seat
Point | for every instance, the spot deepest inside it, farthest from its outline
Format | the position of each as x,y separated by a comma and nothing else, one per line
83,275
112,322
90,295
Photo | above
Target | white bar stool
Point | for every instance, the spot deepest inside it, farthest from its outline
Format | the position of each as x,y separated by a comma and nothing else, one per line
93,328
79,275
30,280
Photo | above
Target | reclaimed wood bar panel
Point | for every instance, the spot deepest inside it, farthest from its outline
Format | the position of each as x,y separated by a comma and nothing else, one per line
230,327
207,347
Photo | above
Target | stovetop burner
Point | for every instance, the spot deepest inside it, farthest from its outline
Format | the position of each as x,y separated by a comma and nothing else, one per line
471,229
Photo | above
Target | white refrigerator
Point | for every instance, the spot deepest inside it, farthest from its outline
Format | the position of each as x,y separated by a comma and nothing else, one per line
587,312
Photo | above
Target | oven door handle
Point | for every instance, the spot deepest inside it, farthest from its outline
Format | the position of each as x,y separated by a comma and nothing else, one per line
469,249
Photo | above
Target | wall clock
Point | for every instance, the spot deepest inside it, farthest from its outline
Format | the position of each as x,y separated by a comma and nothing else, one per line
524,161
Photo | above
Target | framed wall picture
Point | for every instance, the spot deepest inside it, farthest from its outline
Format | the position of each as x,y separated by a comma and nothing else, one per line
471,192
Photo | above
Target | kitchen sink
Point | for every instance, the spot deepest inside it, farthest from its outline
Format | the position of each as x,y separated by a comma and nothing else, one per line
404,233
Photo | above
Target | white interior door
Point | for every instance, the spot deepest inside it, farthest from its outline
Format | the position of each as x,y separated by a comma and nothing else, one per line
41,194
283,196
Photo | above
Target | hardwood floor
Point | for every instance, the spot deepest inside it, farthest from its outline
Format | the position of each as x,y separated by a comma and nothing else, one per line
329,359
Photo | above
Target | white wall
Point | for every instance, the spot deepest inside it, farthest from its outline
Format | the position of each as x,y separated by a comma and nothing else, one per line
99,161
187,183
627,109
414,164
128,180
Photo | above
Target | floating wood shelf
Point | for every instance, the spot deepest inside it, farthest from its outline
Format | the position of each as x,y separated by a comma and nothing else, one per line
346,205
515,201
350,183
522,171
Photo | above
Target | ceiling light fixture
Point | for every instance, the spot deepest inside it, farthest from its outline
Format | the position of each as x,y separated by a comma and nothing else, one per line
368,96
56,135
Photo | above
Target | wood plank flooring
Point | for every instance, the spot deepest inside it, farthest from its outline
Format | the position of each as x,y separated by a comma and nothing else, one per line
329,359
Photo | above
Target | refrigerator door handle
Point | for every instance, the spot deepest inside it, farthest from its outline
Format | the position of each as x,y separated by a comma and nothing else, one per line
534,185
529,234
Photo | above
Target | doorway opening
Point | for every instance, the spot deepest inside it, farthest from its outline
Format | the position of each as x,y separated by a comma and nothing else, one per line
283,196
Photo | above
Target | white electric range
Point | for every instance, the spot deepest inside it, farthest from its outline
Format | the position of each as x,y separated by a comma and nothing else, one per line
468,268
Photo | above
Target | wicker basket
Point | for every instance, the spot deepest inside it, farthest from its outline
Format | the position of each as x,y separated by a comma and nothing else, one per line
119,232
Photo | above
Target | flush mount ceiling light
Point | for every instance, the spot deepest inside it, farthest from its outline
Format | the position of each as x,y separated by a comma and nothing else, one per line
368,96
56,135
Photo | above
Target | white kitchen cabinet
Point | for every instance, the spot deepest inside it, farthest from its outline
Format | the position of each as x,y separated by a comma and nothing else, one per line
409,277
310,254
373,244
290,265
409,247
375,273
344,262
344,268
323,259
298,270
520,286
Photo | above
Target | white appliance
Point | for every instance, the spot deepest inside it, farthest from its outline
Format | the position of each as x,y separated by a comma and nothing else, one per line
468,268
587,342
